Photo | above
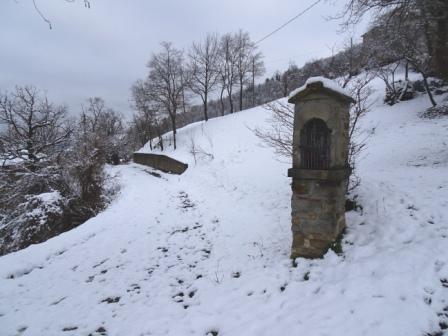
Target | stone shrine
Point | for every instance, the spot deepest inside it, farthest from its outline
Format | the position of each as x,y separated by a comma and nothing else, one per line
320,168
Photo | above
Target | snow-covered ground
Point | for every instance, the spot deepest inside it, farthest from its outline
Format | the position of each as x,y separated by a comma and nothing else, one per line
207,252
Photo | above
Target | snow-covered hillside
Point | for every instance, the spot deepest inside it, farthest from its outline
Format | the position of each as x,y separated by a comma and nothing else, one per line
207,252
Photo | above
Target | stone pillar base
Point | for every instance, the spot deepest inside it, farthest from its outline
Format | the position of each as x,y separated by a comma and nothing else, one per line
309,246
317,213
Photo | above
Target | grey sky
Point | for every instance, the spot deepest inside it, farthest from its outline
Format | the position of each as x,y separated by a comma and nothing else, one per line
101,51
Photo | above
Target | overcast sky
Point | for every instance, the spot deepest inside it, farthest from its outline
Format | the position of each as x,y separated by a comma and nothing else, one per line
101,51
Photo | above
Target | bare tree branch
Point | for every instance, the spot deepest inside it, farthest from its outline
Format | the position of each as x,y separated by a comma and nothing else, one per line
44,17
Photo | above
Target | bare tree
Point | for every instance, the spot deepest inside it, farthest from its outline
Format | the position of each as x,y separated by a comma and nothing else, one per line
355,10
279,135
204,57
228,70
144,120
249,63
44,17
387,74
97,118
244,50
419,56
257,69
198,152
91,114
167,81
287,77
360,90
223,83
147,123
239,64
103,127
33,127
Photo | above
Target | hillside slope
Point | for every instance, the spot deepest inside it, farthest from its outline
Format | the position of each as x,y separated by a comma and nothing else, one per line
207,252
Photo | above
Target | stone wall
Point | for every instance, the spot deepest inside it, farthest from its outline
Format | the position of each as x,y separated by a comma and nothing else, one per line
160,162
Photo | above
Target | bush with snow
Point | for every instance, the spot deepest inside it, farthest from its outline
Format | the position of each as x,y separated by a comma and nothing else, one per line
400,90
52,177
40,204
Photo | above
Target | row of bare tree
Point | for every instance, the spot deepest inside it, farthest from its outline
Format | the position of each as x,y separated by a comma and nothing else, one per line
216,65
34,130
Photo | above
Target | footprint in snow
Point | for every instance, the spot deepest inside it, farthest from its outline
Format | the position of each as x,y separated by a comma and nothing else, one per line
100,263
58,301
186,203
72,328
134,288
109,300
22,329
101,331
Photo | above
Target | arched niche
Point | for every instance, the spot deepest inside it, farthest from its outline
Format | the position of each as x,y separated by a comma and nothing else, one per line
315,141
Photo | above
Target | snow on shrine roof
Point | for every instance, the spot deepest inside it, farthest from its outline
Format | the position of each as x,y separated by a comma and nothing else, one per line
326,83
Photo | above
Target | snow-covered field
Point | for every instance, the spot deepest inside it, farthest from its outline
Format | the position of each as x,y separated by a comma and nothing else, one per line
207,252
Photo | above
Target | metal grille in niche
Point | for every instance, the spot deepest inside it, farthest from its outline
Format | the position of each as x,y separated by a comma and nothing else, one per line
315,145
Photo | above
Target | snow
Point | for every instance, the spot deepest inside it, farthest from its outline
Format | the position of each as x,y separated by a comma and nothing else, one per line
49,197
208,251
327,83
44,204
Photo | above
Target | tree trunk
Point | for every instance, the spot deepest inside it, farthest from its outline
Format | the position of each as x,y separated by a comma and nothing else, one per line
253,92
205,107
159,135
253,82
32,159
183,100
221,99
406,73
150,136
441,44
435,16
229,92
428,91
30,151
173,127
285,87
241,94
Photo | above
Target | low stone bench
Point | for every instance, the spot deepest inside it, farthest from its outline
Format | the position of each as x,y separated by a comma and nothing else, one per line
160,162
